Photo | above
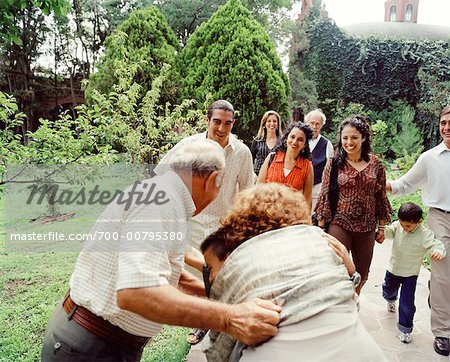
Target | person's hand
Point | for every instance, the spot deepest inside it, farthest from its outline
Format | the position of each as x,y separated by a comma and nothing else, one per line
388,187
379,236
436,256
342,252
253,322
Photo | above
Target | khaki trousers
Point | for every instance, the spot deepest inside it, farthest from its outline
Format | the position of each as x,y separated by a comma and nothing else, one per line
439,223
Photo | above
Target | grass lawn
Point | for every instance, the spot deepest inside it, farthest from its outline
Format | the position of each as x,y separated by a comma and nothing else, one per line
31,285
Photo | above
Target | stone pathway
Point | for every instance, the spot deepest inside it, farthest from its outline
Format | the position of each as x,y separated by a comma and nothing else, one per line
381,324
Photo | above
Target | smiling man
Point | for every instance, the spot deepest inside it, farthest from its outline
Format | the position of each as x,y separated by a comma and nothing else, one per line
238,176
431,172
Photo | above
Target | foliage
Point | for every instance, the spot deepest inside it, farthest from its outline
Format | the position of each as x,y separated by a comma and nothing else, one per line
407,137
139,126
184,16
397,201
407,159
374,71
26,33
304,95
434,95
232,57
143,40
379,142
9,9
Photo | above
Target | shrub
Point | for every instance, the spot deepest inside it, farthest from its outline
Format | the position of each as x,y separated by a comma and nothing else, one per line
232,57
143,40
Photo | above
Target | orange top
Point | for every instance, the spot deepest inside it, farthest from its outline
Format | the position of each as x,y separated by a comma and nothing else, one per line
296,178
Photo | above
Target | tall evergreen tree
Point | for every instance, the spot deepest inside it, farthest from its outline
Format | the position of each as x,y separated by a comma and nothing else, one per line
144,40
232,57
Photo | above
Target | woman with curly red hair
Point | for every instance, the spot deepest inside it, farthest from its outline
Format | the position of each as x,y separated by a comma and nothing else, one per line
266,248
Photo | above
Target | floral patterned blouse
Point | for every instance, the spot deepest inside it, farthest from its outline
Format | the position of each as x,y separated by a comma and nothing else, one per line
362,199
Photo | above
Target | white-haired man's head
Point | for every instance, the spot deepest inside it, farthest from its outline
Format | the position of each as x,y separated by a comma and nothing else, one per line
201,166
201,158
315,120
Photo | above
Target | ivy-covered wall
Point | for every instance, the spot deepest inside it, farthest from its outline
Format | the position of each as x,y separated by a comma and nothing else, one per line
374,71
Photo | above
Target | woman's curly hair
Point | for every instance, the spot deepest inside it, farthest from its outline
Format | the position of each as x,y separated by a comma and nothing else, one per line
261,208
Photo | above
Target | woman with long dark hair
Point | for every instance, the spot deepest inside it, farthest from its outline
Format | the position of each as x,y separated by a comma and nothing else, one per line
290,163
362,208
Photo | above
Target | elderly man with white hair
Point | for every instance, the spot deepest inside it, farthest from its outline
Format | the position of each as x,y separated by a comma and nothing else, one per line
121,291
321,149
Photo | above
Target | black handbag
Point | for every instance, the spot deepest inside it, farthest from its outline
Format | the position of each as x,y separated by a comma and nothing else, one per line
333,194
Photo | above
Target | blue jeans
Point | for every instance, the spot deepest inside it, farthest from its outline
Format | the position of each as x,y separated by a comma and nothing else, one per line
406,308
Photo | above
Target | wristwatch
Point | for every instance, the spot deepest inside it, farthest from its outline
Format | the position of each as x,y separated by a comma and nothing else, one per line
355,278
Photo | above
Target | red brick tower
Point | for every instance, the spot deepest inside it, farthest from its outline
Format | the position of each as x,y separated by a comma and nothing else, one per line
401,11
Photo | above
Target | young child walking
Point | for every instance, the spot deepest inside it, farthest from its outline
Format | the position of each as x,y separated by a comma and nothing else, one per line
412,240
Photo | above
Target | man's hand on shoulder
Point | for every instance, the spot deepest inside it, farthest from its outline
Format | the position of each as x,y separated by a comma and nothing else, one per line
253,322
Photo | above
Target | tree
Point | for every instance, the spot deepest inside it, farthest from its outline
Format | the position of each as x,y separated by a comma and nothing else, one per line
27,30
184,16
144,39
9,28
232,57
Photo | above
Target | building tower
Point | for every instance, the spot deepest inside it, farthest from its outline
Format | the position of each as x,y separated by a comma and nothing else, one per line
403,11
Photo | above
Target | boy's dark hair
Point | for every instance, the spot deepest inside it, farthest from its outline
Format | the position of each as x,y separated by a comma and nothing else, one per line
410,212
216,241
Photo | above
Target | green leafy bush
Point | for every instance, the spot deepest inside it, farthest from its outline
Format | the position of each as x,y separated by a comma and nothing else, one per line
380,144
232,57
143,40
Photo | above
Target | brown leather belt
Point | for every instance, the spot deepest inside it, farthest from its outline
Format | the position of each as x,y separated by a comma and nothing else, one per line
101,327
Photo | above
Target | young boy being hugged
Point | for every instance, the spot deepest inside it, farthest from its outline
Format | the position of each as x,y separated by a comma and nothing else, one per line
412,240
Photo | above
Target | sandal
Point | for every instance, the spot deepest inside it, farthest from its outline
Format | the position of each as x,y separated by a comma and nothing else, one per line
196,336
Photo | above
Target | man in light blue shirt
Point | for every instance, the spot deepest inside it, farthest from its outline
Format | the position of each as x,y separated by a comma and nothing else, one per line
431,173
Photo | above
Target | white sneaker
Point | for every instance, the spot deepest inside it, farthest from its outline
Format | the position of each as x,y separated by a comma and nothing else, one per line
391,306
405,337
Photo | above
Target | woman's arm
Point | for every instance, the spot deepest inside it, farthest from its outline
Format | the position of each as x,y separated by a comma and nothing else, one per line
263,171
254,149
307,188
383,208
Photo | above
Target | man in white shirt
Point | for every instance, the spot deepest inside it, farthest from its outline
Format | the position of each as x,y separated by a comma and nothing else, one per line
125,286
431,172
321,150
238,176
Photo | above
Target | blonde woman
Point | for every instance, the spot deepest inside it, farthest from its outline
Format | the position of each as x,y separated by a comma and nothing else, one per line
268,135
